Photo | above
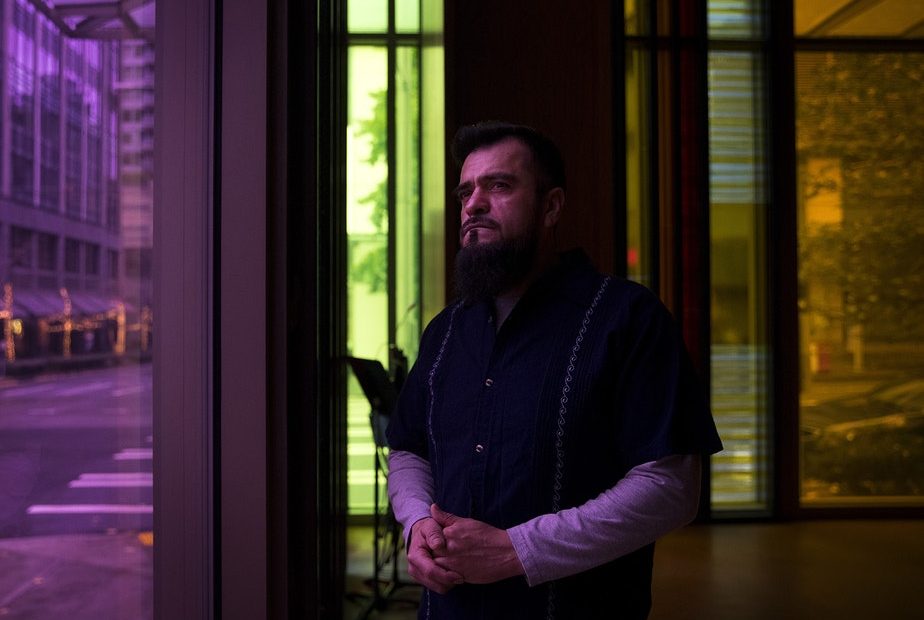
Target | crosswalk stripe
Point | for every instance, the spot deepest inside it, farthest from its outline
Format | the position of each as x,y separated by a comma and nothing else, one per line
134,454
112,480
71,509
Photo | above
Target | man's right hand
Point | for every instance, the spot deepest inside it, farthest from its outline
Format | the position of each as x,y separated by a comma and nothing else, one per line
425,542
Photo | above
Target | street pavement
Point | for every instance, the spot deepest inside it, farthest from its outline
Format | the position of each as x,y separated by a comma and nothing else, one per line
76,509
77,577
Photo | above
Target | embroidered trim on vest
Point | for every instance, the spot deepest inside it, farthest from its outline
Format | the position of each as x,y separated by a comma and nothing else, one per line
563,403
432,374
562,419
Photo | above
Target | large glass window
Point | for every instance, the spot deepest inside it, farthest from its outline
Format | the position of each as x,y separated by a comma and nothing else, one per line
658,65
76,506
390,213
860,139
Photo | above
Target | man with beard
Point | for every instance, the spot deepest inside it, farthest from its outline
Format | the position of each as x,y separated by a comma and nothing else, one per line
551,428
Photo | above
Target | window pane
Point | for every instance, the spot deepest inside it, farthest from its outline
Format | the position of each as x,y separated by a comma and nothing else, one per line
367,15
367,236
76,509
636,13
860,137
735,19
639,260
850,18
407,201
739,364
407,16
433,162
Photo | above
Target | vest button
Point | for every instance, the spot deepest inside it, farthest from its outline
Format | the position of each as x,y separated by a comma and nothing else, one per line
479,448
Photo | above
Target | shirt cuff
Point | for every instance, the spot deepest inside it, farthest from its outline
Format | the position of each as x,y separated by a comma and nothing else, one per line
410,488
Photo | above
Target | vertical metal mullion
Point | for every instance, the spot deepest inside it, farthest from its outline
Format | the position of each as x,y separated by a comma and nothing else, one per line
701,51
782,231
391,192
620,197
418,236
676,174
654,152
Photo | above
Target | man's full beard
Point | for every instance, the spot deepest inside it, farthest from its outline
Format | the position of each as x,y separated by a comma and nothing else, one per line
485,270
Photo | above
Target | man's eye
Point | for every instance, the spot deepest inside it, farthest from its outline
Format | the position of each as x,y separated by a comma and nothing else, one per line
499,185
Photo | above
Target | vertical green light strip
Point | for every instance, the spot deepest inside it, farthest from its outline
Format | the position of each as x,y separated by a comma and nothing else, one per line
407,200
395,242
738,269
367,234
432,162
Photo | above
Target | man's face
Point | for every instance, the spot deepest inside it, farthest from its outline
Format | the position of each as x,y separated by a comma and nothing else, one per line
498,194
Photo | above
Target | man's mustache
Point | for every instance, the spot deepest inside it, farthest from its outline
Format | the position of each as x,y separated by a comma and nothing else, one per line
477,222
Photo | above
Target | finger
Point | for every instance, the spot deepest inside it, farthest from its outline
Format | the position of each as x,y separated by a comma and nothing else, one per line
431,534
427,573
443,518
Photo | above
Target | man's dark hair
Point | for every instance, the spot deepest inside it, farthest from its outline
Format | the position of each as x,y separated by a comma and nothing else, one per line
547,157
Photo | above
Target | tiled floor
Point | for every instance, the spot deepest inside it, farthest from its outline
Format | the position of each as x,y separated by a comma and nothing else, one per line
811,570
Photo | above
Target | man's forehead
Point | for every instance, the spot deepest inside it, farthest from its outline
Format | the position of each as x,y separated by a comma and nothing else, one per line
507,153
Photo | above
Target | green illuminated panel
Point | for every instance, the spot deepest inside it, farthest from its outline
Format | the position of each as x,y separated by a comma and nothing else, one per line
738,272
367,16
367,237
407,16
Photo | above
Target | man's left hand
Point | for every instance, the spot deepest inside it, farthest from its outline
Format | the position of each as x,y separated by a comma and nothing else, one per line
479,552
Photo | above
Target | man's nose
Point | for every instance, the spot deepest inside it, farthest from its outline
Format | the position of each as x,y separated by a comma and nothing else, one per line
477,203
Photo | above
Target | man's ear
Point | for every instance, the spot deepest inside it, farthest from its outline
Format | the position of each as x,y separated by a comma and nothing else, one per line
554,203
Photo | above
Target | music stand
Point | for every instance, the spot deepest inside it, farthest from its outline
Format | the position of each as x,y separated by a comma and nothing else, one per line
382,395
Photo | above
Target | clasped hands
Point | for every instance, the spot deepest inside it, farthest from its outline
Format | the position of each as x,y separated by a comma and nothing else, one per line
445,550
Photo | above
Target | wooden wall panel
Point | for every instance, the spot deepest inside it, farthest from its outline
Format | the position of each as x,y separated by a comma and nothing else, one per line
545,64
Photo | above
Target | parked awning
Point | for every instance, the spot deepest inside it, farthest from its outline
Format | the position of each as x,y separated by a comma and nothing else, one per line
37,304
90,303
47,304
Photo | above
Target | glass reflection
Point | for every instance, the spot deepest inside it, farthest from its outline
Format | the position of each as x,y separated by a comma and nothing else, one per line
861,258
738,280
75,322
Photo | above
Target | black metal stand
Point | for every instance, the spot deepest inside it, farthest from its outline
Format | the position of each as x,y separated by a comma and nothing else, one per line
381,391
386,542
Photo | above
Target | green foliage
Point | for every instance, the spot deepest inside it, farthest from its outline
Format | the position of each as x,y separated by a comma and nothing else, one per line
376,129
878,264
863,111
372,267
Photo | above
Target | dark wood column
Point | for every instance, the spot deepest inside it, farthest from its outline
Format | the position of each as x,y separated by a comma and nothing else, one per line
548,65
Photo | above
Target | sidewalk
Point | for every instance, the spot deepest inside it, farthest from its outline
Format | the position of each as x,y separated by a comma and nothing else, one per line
77,577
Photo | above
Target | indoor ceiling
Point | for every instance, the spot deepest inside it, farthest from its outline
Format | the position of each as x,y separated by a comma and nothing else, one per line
101,19
120,19
860,18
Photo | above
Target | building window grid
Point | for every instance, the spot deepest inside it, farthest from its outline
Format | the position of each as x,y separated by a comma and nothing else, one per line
47,252
21,251
39,60
71,256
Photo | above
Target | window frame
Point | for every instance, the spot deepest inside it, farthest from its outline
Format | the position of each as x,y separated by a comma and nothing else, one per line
785,45
185,571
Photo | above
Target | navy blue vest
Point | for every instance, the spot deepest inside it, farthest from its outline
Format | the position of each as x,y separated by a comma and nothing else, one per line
586,379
